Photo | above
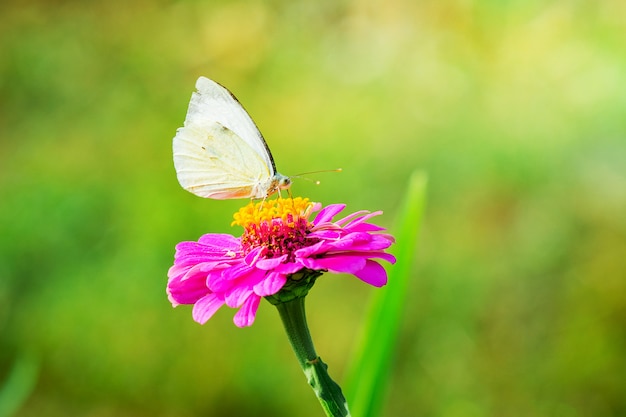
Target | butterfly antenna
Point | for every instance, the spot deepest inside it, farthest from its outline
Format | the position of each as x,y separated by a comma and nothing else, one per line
316,172
317,182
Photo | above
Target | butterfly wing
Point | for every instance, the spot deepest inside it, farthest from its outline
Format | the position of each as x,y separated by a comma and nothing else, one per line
214,103
213,161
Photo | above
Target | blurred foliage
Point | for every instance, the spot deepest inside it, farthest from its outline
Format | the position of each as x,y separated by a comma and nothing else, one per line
515,109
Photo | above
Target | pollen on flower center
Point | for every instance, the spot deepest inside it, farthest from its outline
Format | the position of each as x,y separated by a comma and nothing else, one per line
266,210
280,225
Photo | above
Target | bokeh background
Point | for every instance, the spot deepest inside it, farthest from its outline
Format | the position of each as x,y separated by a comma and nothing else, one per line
516,110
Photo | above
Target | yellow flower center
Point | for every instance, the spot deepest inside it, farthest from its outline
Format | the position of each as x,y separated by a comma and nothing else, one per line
287,209
278,227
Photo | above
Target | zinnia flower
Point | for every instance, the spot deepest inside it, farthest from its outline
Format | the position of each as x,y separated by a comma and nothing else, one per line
279,245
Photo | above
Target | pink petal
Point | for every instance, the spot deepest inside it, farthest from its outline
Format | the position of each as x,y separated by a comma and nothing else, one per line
187,292
205,307
307,251
350,240
269,264
200,271
289,268
372,273
365,227
365,255
272,283
247,313
228,278
362,219
383,255
210,247
220,241
238,295
254,255
327,234
361,241
242,286
336,263
327,213
187,288
350,217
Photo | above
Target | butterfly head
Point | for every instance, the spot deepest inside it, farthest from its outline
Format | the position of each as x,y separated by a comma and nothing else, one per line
279,182
282,182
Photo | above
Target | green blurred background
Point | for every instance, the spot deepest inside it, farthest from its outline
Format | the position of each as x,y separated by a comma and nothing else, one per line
516,110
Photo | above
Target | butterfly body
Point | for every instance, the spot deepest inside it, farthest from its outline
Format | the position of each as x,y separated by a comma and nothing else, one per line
219,152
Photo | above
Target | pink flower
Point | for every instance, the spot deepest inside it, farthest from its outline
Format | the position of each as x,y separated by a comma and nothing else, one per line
278,241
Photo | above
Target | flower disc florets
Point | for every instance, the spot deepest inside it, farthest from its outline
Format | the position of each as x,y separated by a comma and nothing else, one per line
279,243
279,226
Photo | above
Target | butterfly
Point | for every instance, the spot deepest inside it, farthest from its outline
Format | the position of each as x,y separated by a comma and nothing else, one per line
219,152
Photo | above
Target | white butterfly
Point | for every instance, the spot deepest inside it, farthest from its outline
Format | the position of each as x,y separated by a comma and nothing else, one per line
219,152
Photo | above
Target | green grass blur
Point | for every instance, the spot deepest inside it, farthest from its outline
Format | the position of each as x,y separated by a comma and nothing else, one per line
516,110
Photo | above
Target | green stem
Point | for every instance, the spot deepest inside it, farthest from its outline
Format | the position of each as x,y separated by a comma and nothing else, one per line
328,392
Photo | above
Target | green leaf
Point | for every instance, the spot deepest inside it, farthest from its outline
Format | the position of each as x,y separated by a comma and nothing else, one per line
367,376
19,384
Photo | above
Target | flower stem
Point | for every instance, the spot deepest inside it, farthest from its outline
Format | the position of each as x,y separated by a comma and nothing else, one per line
328,392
